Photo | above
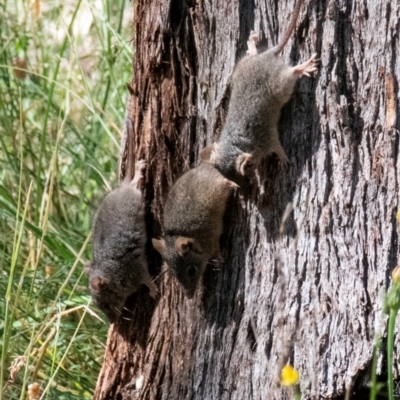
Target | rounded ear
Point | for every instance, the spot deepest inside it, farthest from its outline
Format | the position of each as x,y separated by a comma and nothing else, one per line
184,244
244,163
229,184
159,245
87,267
210,154
205,154
99,284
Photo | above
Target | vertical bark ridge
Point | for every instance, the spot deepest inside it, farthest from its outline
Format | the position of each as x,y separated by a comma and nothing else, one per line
312,296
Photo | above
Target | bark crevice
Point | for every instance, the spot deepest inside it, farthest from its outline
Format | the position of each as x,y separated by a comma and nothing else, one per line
311,295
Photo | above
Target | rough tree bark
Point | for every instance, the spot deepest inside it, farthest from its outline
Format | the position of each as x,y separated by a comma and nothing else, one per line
312,293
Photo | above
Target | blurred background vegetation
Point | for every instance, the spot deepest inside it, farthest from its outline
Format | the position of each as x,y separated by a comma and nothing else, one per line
64,66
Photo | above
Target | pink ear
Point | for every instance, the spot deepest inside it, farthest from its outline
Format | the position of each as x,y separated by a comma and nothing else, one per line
210,154
244,163
205,154
184,244
159,245
99,284
230,184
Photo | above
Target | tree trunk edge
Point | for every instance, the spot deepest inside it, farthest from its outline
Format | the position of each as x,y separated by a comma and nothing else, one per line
344,179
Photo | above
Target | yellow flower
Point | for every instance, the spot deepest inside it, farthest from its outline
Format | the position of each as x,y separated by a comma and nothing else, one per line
289,376
396,274
398,215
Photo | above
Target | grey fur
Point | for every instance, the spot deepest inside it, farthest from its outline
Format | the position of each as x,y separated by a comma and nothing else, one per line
261,85
119,264
193,223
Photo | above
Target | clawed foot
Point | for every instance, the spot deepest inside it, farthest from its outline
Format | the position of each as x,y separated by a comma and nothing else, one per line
154,292
308,68
283,163
252,43
139,170
282,157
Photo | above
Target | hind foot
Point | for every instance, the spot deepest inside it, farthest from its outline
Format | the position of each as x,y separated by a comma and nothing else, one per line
283,160
308,68
154,292
139,169
252,43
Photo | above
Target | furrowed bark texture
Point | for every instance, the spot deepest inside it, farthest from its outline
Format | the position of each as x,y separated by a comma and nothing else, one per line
311,292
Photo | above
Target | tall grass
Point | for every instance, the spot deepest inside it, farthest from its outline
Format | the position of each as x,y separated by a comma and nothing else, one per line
64,66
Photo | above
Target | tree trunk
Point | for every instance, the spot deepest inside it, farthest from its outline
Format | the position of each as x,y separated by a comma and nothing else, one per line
305,287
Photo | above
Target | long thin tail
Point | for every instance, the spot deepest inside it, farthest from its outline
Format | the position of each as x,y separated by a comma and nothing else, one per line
279,48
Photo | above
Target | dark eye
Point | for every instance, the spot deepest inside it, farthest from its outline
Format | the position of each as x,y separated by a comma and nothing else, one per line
192,271
248,168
